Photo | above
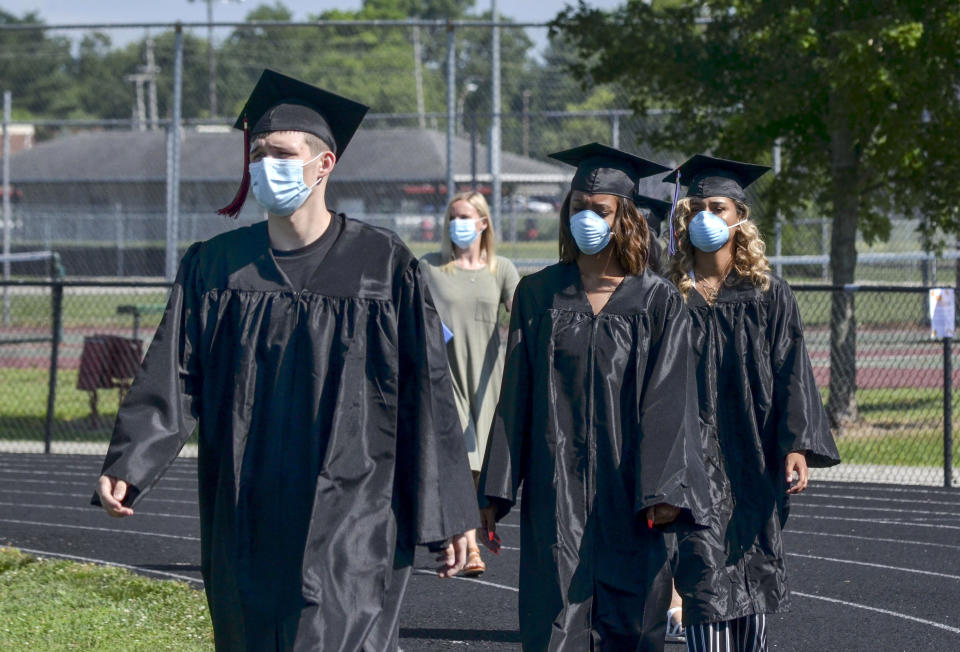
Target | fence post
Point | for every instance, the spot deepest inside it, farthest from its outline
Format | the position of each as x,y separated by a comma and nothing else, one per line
496,186
121,243
7,211
173,159
824,248
778,218
947,412
56,304
451,107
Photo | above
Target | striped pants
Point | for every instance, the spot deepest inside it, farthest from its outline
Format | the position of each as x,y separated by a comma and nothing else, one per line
747,634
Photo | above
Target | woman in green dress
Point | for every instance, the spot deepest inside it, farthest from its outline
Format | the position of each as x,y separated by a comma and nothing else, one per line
469,283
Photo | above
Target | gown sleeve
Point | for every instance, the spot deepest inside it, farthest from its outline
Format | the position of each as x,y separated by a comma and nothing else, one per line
507,445
433,488
159,413
671,459
801,420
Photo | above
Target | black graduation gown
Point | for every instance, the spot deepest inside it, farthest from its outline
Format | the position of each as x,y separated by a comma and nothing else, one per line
597,421
759,402
329,441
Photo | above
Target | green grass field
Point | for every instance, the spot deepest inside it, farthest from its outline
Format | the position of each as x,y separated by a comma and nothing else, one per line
84,308
900,426
54,605
886,310
23,407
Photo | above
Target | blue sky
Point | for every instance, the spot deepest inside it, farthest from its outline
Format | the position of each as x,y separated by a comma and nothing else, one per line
115,11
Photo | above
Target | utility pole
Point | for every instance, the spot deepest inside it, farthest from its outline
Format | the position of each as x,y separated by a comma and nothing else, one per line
211,57
147,74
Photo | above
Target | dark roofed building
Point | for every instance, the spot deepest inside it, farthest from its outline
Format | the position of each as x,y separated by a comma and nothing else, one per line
381,169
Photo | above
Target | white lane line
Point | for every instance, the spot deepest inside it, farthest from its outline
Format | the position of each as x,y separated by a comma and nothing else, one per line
104,562
912,501
892,489
53,476
53,473
935,520
99,529
853,536
90,509
872,565
506,525
93,473
92,484
886,612
421,571
77,470
861,508
875,521
87,496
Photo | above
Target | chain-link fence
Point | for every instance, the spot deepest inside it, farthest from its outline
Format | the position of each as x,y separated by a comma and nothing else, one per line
893,376
889,388
99,173
67,354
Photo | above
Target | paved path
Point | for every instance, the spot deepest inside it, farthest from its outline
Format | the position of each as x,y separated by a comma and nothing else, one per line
872,567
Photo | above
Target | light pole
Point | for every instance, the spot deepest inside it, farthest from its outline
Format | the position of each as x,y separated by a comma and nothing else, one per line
468,88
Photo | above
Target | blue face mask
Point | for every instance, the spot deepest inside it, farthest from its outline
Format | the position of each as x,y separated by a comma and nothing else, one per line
463,232
278,184
708,232
590,231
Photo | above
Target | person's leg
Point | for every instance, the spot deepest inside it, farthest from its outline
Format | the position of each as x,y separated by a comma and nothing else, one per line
746,634
752,633
675,616
475,565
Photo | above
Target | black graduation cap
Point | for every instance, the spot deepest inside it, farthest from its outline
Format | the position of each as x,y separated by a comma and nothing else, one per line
602,169
708,176
281,103
659,210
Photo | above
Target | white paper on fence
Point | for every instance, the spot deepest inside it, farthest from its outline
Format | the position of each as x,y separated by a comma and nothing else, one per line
942,316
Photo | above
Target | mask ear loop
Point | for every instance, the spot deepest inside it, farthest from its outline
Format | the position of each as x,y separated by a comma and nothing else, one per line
306,163
672,244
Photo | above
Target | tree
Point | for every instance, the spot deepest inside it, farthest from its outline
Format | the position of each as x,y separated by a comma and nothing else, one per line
373,64
862,95
35,68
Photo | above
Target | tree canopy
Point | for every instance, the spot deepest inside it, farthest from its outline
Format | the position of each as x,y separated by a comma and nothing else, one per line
863,97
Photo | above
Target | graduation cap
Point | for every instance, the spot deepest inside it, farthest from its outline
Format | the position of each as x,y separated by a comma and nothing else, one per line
602,169
659,209
281,103
707,176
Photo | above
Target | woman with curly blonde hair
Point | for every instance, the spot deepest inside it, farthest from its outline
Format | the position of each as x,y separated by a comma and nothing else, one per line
760,409
597,421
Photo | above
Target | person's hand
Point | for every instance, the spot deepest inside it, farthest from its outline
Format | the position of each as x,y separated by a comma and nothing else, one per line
112,491
454,557
796,462
488,519
661,514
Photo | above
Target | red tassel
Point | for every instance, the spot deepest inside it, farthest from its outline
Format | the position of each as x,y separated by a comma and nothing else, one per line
233,208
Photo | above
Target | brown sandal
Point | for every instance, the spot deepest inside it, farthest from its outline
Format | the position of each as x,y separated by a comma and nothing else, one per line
475,566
